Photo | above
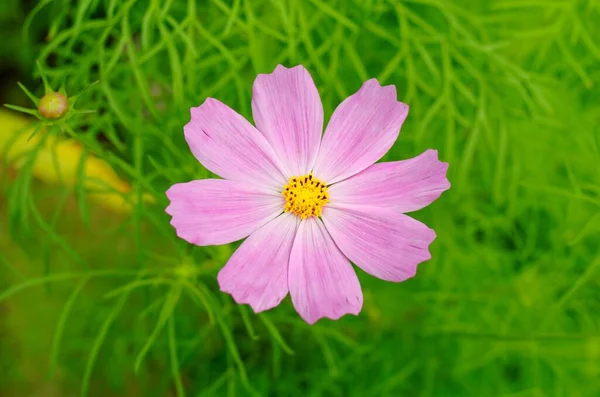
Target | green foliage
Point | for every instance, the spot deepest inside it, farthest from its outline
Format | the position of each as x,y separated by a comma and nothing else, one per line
507,91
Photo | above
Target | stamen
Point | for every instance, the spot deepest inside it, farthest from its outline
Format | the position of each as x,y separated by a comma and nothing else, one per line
305,196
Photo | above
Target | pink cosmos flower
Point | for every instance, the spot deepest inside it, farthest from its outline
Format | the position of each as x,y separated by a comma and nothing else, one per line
309,204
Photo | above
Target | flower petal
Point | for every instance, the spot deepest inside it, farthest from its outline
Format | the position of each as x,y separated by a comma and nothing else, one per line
229,146
361,130
321,279
257,273
217,211
287,110
406,185
383,242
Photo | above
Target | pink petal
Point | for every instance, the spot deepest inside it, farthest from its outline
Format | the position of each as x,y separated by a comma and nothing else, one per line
287,110
322,281
361,130
217,211
229,146
257,273
383,242
406,185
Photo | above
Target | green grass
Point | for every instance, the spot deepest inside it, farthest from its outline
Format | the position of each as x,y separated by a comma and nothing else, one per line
507,91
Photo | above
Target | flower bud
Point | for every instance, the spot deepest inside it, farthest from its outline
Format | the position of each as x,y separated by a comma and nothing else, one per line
53,105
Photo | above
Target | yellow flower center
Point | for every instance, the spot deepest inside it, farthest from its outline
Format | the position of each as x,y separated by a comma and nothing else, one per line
305,196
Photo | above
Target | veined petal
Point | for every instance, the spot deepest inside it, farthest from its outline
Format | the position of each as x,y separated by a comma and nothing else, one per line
257,273
229,146
321,279
361,130
406,185
287,110
381,241
217,211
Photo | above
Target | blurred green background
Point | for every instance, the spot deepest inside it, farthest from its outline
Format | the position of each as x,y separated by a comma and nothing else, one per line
100,302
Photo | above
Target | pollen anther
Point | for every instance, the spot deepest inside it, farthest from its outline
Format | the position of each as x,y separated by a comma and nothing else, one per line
305,196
